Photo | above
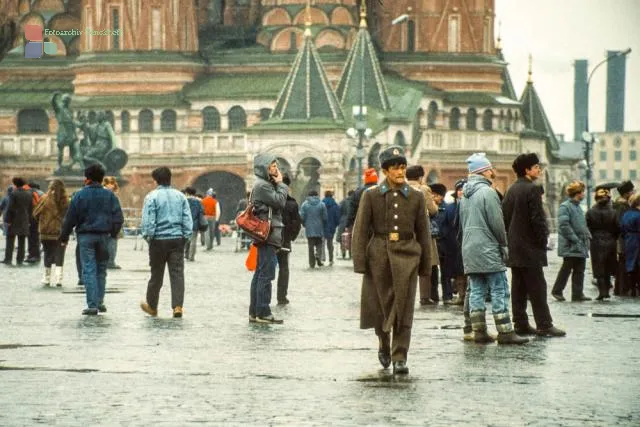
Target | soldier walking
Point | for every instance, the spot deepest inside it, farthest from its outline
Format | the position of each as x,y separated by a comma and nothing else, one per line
391,247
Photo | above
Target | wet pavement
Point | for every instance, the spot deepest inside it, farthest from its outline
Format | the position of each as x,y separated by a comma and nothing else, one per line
213,367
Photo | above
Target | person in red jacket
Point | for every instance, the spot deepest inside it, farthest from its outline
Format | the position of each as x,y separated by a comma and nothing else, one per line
212,215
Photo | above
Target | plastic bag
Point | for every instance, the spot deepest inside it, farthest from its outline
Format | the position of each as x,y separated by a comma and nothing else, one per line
252,258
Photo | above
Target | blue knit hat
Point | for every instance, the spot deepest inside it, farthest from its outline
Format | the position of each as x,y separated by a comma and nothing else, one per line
478,163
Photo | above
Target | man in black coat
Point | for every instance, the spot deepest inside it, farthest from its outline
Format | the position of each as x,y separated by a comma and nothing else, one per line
292,224
527,234
603,225
18,219
621,205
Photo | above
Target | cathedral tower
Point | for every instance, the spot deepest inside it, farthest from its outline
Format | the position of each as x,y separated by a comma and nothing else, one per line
453,26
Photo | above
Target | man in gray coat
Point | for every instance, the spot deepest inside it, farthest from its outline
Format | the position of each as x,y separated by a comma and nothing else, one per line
269,196
484,252
573,244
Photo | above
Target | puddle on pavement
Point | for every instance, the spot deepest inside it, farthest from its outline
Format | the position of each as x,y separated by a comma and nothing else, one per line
15,346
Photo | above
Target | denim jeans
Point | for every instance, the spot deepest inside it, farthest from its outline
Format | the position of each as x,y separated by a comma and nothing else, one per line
94,256
210,233
497,283
261,283
113,251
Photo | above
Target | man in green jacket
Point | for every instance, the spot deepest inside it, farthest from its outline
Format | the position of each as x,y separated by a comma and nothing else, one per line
484,252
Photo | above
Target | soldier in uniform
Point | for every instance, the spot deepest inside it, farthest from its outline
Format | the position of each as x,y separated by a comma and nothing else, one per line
391,246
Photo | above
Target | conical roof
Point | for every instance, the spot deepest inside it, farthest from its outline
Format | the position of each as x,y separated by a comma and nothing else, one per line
307,93
534,116
362,81
507,85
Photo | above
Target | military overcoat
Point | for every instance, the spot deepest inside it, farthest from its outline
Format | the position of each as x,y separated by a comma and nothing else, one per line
391,246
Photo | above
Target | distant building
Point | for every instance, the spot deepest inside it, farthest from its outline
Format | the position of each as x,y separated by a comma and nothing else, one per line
616,82
615,157
202,86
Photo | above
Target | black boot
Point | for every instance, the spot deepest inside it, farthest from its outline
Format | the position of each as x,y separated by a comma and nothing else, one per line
603,289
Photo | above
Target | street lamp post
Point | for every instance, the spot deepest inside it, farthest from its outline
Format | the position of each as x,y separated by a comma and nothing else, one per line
587,137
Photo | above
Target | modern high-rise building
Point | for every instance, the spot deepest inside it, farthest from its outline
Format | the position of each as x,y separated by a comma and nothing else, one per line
580,98
616,74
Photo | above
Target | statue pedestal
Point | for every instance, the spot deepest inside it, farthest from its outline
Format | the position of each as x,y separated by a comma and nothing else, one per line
72,183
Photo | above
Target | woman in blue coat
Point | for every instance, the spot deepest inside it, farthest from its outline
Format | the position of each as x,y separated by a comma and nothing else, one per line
630,228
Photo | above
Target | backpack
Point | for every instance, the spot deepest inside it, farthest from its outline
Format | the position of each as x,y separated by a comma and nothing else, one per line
291,219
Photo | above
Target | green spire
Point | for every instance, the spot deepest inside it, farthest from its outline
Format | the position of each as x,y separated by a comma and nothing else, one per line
362,81
307,93
533,114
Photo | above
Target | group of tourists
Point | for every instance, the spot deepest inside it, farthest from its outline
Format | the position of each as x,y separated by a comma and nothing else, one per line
404,238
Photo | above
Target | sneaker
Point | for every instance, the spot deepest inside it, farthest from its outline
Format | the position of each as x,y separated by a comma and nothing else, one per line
558,297
102,308
147,309
177,312
551,331
427,301
448,302
90,312
269,319
252,319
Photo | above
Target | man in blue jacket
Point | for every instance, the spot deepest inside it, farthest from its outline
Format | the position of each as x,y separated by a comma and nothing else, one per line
96,215
314,218
167,226
333,220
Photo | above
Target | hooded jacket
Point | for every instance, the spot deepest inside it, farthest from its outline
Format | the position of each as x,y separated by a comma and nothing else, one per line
573,234
267,194
484,238
314,216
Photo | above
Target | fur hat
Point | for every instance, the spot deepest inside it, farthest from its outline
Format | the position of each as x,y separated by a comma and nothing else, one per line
438,189
370,176
524,162
415,172
392,155
575,187
625,187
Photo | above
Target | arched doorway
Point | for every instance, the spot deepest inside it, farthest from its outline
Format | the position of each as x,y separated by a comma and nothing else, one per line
306,178
229,188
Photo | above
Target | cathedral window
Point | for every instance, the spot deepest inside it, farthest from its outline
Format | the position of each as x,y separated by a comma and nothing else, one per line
168,121
487,120
454,118
509,123
145,121
115,26
110,118
432,114
265,113
411,36
33,120
156,29
400,139
454,33
237,118
472,119
210,119
125,120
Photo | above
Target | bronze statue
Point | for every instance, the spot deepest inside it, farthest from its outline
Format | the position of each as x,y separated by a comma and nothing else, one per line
66,131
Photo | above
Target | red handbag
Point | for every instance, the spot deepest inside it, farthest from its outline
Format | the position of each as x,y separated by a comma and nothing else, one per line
258,229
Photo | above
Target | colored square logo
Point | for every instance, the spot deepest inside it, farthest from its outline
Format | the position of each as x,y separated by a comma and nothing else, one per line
50,48
33,33
33,50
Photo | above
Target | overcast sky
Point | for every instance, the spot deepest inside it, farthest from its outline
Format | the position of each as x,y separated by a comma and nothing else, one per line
556,32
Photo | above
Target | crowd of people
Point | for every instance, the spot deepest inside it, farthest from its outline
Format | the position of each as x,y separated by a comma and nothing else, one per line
405,239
